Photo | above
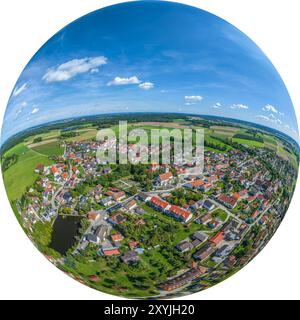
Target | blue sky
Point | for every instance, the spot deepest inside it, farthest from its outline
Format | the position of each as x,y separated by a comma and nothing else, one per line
149,56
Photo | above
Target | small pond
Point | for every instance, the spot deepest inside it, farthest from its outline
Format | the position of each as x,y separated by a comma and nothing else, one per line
65,228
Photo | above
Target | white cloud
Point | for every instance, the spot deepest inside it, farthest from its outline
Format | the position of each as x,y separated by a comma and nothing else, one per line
118,81
146,85
22,106
95,70
270,108
239,106
190,100
271,118
263,117
72,68
35,110
18,90
217,105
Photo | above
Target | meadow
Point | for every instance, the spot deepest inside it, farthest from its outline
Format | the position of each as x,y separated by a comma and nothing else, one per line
21,175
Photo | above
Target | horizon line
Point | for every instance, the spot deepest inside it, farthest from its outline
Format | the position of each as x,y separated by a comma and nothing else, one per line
297,141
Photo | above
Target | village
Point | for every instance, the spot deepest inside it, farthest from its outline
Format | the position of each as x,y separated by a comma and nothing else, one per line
224,216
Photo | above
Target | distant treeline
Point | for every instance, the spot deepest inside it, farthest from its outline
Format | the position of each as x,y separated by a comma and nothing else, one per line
247,137
7,162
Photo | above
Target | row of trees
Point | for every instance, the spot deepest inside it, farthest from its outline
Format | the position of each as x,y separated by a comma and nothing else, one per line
257,138
7,162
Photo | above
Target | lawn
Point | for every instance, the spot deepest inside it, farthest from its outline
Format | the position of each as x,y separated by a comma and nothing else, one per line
220,214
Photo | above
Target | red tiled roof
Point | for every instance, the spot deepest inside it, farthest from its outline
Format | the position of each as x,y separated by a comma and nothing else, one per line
53,169
159,203
92,215
118,195
250,199
197,183
180,212
40,167
165,176
217,238
117,237
140,222
255,214
65,175
228,200
93,278
111,252
132,244
243,192
236,195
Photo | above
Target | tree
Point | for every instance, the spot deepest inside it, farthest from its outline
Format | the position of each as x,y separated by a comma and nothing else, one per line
42,233
133,190
37,140
66,210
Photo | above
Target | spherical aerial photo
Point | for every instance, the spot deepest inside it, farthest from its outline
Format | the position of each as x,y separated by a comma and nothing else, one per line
149,150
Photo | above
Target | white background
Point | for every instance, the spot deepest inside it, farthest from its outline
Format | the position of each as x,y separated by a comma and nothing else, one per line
26,25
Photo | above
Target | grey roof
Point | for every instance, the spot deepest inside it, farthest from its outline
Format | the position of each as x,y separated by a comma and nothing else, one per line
183,246
130,256
200,236
91,237
208,204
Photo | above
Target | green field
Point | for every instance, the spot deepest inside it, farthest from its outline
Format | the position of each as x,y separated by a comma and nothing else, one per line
45,136
21,175
250,143
84,134
270,139
49,149
19,149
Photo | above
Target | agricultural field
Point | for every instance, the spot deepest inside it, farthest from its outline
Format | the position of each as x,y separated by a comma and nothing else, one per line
224,131
250,143
52,148
84,134
49,135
